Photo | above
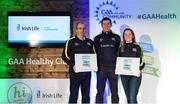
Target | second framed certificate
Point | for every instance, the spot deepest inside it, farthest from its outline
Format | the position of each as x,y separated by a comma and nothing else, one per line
127,66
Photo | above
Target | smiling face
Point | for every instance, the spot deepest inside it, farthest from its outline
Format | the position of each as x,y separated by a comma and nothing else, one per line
80,29
106,25
128,36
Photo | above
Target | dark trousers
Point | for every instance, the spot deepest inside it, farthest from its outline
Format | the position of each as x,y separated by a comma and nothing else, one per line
131,86
102,76
77,80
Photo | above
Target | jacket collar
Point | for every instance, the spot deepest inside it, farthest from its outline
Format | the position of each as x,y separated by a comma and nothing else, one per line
80,39
109,32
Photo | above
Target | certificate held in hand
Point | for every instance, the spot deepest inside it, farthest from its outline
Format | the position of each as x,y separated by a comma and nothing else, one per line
128,66
85,62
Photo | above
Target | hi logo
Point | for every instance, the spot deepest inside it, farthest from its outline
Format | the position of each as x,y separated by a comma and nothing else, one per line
19,93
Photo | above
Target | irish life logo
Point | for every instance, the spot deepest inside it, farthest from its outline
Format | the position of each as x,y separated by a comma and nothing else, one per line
18,27
19,93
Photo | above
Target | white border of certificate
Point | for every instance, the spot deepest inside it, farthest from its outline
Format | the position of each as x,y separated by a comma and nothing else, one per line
85,62
128,66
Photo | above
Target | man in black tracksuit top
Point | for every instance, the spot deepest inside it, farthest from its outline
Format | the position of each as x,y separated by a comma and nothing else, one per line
75,45
106,45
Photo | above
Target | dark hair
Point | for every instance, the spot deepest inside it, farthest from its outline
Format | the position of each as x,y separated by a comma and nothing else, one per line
106,18
132,32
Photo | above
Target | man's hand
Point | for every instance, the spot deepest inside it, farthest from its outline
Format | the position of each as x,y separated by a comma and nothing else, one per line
74,68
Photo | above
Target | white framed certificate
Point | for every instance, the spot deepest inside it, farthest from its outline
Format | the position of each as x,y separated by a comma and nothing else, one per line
85,62
127,66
